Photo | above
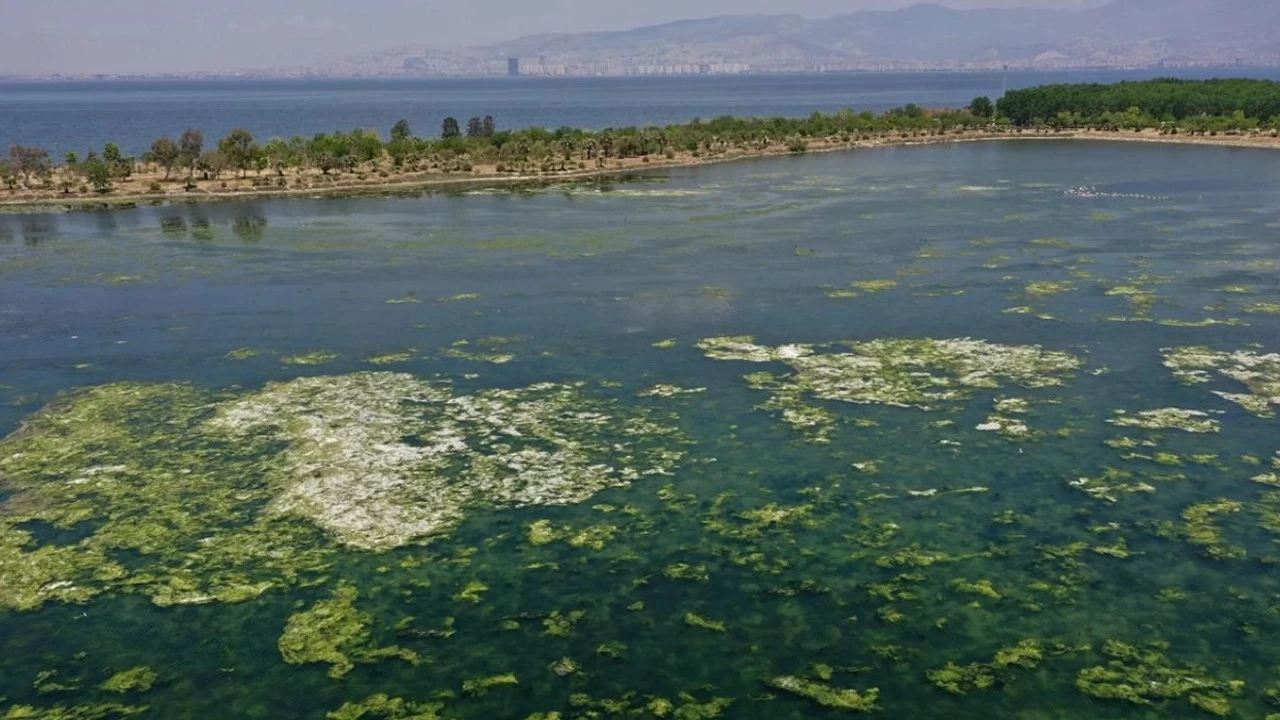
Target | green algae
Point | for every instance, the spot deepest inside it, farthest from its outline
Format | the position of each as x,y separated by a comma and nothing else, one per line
243,353
1257,372
983,588
564,667
594,537
473,592
90,711
48,683
963,679
695,620
561,625
1048,288
827,695
874,286
479,687
686,571
392,358
542,532
1147,677
1265,308
335,632
1114,483
836,294
385,707
665,344
668,391
1192,421
138,679
1203,531
349,468
125,460
614,650
903,373
318,357
685,707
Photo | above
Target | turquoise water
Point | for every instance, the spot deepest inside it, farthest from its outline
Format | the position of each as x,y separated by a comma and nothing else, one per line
871,572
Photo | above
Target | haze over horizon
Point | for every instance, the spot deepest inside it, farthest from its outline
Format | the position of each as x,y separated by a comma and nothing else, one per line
187,36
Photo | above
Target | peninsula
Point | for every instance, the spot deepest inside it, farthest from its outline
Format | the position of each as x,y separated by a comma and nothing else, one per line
1223,112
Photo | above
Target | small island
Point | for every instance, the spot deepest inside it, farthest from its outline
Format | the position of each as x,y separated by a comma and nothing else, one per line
189,168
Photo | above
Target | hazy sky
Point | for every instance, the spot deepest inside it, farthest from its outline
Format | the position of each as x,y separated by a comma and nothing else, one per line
153,36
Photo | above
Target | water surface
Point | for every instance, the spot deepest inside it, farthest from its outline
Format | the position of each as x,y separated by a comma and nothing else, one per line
918,539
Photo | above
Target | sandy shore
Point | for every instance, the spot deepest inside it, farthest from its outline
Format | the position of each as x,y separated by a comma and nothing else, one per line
137,190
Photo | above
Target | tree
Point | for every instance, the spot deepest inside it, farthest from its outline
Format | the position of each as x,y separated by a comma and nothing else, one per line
490,126
190,147
238,150
982,107
165,152
365,145
25,161
449,128
98,172
280,154
117,164
325,152
212,163
401,131
475,128
71,159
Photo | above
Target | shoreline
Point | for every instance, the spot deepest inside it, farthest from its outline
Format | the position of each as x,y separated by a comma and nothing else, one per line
49,201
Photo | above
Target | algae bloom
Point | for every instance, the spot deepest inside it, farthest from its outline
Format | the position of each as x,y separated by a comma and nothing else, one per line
904,373
376,460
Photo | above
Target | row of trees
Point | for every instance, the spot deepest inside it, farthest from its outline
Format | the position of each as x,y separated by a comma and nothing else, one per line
458,147
1173,105
1163,100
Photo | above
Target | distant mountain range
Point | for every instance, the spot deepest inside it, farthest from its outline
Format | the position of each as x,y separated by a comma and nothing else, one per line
1123,33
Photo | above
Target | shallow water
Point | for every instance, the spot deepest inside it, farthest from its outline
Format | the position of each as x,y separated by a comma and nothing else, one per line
581,281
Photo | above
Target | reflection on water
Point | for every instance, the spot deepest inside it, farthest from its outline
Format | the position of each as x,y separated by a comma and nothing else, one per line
951,524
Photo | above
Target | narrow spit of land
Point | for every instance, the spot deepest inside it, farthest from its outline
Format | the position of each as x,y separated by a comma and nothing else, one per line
1214,112
140,188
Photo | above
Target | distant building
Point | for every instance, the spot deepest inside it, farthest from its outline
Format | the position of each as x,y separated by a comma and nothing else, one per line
513,67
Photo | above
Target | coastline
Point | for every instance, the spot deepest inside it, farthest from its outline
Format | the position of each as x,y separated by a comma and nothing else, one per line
44,201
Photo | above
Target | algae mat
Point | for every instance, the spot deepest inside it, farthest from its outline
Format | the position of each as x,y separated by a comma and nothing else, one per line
806,437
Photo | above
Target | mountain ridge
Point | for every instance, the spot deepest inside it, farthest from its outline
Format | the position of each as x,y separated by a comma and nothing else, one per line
1122,33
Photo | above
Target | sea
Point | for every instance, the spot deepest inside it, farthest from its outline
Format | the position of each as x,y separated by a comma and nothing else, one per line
982,431
78,116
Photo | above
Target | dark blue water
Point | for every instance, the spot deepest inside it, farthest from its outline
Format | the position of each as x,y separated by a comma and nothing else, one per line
66,116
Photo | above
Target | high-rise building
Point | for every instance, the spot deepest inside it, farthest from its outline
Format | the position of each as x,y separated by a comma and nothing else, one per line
513,67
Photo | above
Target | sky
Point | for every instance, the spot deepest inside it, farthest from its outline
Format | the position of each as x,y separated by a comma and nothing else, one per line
39,37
